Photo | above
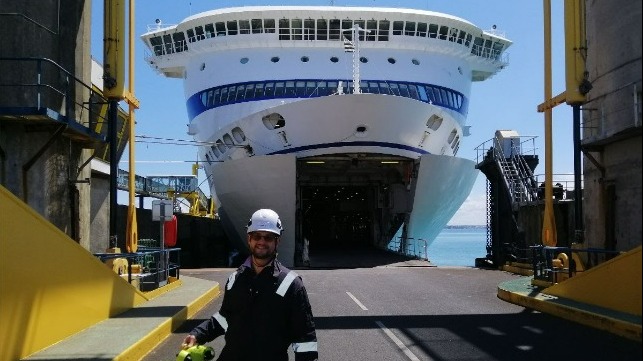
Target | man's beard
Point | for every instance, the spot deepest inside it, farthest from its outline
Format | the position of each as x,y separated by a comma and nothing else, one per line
264,255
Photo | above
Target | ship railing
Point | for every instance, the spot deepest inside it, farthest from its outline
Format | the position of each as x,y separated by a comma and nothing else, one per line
555,264
410,247
563,185
157,264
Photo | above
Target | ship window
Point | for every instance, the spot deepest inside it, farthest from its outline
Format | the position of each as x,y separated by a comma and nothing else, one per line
455,142
220,28
250,91
207,158
391,60
202,66
157,45
413,91
243,60
241,93
269,26
476,49
227,139
304,59
452,136
384,28
409,29
309,29
167,39
191,37
404,90
284,29
279,89
332,87
322,88
273,121
215,99
334,29
395,90
384,88
244,27
220,146
274,59
210,98
422,93
199,32
363,59
398,27
257,27
461,37
179,41
290,89
434,122
296,31
224,96
445,98
453,34
347,25
270,90
468,41
232,27
373,87
322,29
415,62
311,88
300,87
334,59
215,151
421,30
444,30
209,31
372,26
232,94
204,99
238,135
433,30
258,90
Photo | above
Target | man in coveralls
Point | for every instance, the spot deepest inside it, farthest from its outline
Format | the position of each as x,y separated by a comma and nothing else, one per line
265,305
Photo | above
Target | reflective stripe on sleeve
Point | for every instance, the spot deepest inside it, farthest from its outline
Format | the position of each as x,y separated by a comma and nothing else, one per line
231,280
304,346
283,287
222,321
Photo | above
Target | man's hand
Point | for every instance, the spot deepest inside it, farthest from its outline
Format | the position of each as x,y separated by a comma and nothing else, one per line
188,342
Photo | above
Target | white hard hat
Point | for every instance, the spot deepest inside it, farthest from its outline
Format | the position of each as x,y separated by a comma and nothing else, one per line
265,220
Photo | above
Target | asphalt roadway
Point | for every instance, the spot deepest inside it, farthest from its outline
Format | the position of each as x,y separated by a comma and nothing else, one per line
414,312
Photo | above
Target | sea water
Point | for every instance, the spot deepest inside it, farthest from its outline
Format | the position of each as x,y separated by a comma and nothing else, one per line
458,246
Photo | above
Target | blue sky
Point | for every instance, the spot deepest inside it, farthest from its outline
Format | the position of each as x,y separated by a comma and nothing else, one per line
506,101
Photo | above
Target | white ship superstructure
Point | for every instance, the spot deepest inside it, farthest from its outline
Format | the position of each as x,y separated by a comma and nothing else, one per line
270,91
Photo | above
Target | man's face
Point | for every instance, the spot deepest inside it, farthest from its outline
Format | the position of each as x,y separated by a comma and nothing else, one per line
263,245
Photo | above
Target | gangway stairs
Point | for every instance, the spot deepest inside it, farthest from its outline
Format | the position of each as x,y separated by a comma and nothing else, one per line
511,183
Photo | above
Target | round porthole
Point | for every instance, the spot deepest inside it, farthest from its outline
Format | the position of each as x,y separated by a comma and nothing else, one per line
274,59
460,70
202,66
244,60
361,131
334,59
391,60
363,60
304,59
415,62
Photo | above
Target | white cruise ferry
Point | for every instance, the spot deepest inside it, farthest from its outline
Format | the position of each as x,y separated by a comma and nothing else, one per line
345,120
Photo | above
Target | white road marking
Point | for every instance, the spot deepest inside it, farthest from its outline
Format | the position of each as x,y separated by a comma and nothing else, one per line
356,301
397,341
